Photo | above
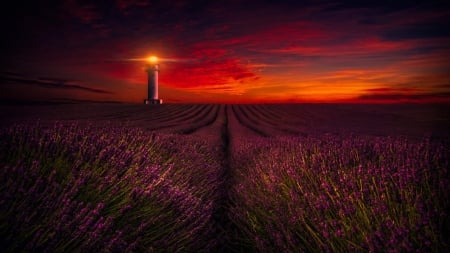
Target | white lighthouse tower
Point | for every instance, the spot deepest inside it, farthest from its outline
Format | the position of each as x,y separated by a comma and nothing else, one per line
153,71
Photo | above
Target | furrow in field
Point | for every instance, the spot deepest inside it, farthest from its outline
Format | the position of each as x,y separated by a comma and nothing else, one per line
190,116
277,112
174,113
276,123
249,118
264,123
143,115
211,131
241,119
268,115
188,121
289,114
176,120
160,113
177,112
294,117
268,111
207,118
201,117
125,113
253,120
225,229
166,117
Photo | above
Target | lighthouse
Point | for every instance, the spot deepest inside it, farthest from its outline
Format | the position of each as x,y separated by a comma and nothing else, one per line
152,72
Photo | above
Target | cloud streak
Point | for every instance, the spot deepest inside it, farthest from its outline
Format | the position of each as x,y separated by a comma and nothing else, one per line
404,94
50,83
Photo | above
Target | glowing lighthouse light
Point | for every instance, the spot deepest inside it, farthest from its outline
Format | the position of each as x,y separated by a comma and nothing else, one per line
152,71
152,59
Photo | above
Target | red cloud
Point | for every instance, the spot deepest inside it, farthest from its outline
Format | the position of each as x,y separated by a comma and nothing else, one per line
363,46
208,73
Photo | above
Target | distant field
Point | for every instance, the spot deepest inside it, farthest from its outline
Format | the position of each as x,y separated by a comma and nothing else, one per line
260,120
224,178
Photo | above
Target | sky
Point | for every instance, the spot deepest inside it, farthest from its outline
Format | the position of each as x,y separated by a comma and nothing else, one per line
232,51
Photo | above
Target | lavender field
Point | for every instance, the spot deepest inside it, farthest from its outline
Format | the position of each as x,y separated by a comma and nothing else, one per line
224,178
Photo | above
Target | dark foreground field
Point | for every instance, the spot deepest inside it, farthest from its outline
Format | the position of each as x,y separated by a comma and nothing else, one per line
224,178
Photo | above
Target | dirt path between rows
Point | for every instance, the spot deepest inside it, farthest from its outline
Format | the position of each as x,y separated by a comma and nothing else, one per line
224,226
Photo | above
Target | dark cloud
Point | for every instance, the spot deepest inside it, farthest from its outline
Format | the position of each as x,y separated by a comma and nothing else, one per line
84,12
386,90
442,86
419,31
125,5
403,94
402,97
54,83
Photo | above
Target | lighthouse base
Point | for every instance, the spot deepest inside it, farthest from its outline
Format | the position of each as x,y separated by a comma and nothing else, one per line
153,101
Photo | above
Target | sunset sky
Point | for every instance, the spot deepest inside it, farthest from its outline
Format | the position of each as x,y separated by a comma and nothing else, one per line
227,51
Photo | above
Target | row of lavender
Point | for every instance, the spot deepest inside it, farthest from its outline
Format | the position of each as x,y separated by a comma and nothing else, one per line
69,188
341,194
